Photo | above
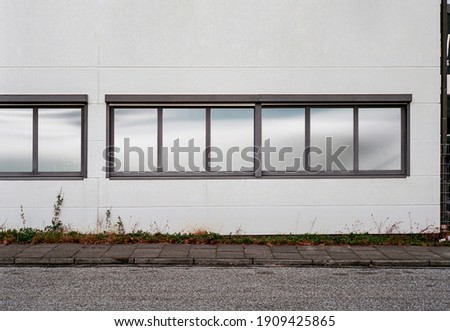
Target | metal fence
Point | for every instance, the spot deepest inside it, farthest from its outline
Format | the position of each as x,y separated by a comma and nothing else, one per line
445,187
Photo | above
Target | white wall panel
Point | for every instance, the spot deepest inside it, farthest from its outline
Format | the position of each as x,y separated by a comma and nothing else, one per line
423,190
425,157
48,33
96,162
97,121
423,83
42,194
228,47
264,33
242,220
210,33
279,220
83,219
67,80
425,121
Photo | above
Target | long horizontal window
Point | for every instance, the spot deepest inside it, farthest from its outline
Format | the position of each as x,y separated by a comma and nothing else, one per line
43,136
257,136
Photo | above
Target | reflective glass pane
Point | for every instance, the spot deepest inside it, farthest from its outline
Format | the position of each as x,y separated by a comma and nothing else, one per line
332,139
283,139
59,140
380,139
136,134
16,140
232,139
184,139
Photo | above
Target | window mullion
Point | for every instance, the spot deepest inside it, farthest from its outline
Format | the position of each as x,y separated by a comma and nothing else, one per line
257,140
207,139
403,141
84,129
110,137
160,140
355,140
35,140
307,138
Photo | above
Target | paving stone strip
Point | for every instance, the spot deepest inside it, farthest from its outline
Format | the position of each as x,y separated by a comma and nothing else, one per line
223,255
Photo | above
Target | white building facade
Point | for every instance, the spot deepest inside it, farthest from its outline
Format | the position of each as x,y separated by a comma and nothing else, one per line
81,79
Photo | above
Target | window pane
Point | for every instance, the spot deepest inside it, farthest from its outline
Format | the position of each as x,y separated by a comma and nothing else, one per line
232,136
16,140
59,140
379,139
184,139
283,129
337,124
136,134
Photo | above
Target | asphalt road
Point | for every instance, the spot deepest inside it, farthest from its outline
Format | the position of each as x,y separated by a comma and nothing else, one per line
197,288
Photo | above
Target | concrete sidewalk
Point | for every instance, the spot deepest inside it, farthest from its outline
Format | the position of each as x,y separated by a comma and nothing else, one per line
224,255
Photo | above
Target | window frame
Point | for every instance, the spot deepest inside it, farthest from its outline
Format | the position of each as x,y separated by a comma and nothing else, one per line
47,101
257,102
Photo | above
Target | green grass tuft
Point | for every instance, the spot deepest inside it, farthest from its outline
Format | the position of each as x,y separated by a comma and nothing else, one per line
36,236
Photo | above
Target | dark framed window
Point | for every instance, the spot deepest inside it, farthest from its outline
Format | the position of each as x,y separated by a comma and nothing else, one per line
154,136
43,136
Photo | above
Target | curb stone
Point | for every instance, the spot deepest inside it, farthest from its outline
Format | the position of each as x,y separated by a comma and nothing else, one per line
101,260
223,262
275,262
342,262
163,261
439,263
6,260
44,260
401,263
23,261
